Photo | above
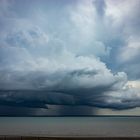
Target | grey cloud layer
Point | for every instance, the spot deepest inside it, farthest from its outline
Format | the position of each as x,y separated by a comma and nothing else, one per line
62,61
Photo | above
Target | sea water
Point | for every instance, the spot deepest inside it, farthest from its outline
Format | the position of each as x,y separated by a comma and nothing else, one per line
71,126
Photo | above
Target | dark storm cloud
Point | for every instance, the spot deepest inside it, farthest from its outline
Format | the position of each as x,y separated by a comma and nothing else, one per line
67,89
47,62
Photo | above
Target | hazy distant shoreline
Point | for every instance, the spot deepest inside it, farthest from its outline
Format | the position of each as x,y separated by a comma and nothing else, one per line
114,116
66,138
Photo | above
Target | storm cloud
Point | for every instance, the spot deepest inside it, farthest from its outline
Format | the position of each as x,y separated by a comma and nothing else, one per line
75,53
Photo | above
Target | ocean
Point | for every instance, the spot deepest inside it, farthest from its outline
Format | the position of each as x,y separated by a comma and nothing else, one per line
71,126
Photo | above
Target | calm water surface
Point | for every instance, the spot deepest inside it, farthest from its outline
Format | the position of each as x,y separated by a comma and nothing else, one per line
70,126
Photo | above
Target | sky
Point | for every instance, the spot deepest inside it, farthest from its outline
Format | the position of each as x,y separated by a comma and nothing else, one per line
70,52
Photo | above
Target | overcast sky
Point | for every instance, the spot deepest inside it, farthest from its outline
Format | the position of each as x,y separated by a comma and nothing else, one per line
70,52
